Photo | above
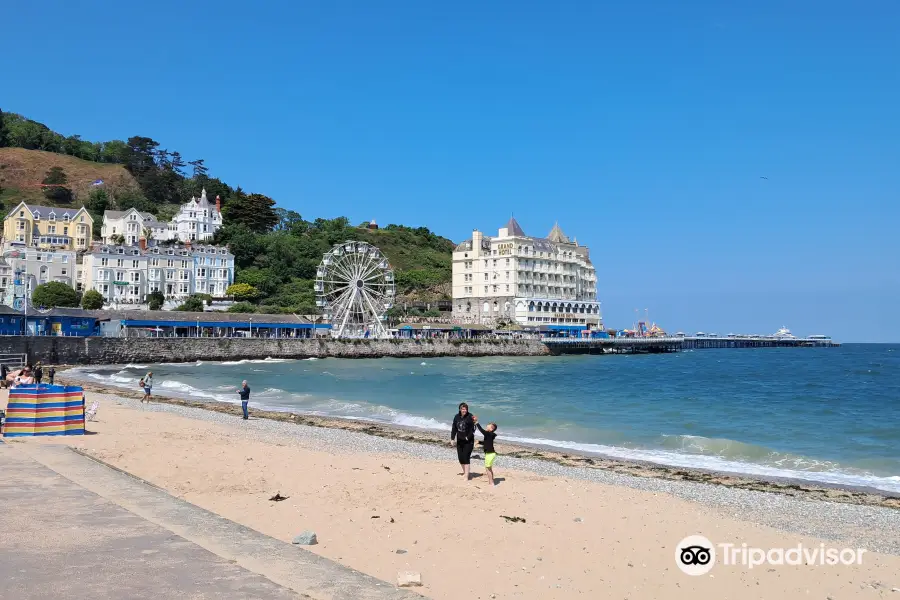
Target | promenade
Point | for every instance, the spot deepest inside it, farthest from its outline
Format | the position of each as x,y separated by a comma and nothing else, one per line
73,528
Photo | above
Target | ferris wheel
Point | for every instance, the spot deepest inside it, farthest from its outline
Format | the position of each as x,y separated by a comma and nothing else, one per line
354,289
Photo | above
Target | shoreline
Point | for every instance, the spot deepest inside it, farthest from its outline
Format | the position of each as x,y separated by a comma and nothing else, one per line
795,488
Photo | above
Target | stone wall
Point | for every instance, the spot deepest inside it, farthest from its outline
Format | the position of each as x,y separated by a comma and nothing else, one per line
104,350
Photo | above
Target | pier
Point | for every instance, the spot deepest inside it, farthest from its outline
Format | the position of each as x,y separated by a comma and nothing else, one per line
659,345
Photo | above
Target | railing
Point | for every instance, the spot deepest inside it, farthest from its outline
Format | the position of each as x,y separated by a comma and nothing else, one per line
14,360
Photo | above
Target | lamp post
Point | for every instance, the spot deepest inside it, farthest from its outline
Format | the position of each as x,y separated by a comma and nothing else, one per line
251,326
198,327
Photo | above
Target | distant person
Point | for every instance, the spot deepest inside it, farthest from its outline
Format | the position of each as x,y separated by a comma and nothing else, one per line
244,391
490,434
463,431
4,372
38,373
147,384
51,373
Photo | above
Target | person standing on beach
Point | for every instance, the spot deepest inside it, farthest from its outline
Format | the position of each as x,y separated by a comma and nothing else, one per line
463,432
51,373
147,384
490,434
38,373
244,391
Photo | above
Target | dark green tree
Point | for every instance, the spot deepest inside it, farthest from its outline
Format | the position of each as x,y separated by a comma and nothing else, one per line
4,132
92,300
192,304
55,186
155,300
54,293
199,169
254,211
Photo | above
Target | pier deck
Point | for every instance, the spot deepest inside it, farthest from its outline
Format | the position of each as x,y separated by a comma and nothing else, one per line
658,345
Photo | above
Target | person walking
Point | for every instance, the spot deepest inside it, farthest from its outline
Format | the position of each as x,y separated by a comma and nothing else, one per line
147,384
463,432
244,391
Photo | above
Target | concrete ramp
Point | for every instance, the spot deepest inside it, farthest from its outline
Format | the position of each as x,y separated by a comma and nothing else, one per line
73,528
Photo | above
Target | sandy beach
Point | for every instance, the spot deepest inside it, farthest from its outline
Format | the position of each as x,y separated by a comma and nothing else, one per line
381,505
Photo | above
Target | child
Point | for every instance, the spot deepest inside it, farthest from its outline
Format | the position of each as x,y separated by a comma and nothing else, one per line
489,454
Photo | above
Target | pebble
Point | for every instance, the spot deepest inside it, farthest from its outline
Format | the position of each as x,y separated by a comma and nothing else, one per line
401,551
852,524
307,538
409,579
578,519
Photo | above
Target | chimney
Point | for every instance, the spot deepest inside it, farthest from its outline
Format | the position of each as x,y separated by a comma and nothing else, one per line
142,242
218,204
477,236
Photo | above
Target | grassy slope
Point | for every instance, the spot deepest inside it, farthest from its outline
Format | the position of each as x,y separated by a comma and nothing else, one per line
21,170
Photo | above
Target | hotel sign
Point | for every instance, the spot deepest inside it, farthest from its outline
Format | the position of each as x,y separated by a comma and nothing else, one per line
505,248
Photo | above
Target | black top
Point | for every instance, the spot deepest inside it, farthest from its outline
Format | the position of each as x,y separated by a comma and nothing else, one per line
245,393
463,428
489,437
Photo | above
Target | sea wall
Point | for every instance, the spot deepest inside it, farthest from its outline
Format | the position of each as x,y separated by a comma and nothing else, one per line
106,350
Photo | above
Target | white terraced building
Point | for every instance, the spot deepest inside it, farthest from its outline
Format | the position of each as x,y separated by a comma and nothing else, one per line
126,274
527,280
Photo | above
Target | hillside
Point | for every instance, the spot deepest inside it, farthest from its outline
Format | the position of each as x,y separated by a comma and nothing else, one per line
21,172
276,250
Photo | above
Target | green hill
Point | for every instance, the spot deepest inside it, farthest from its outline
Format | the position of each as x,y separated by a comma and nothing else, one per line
276,250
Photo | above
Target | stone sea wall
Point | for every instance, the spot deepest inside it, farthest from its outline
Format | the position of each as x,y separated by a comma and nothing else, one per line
103,350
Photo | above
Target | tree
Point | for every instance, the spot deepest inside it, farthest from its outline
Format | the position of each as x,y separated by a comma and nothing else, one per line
242,307
129,198
290,221
199,169
242,291
4,132
54,293
254,211
55,188
92,300
155,300
192,304
118,239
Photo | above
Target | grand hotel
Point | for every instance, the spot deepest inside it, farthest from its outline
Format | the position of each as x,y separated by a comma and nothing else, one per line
530,281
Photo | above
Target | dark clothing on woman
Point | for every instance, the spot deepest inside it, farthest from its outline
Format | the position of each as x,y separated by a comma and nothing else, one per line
463,431
489,437
464,451
463,428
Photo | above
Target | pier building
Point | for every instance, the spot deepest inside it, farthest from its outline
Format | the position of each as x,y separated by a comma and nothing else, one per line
532,281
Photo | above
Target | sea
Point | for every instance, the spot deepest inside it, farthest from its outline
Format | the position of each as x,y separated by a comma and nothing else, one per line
827,415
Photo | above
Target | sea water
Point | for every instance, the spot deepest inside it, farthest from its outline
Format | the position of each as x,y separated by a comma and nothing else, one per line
822,414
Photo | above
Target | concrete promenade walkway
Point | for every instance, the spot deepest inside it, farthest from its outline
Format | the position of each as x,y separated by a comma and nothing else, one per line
73,528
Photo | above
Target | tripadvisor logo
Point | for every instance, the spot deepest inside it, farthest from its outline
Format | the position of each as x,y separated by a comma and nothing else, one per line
696,555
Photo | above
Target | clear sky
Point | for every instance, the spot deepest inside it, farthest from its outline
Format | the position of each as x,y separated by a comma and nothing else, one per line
644,128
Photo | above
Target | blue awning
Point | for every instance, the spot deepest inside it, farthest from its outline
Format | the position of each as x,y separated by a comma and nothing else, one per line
567,327
232,324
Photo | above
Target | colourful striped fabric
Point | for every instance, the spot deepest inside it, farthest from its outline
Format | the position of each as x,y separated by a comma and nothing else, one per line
44,410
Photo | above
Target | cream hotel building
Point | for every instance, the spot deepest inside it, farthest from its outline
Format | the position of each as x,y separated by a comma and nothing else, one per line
527,280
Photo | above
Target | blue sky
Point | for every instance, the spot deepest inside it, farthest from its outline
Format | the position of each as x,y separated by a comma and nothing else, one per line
644,130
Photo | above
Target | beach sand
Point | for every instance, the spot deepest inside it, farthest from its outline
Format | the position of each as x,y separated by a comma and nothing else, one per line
579,539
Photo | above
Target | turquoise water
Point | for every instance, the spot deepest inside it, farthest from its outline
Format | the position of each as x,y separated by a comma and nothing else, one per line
829,415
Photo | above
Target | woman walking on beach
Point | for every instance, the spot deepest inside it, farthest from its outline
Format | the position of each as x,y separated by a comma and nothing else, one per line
463,431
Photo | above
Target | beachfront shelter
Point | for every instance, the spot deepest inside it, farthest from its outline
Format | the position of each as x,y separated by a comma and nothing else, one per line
44,410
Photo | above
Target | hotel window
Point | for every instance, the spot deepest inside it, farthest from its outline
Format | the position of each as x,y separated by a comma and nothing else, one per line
104,261
120,262
51,229
485,276
507,288
134,264
495,288
485,289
